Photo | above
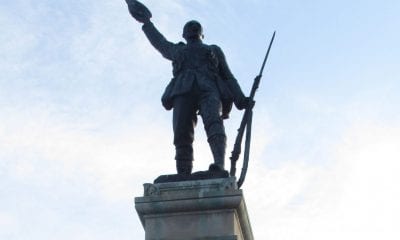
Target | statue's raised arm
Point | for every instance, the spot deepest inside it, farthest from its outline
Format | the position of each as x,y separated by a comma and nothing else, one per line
142,14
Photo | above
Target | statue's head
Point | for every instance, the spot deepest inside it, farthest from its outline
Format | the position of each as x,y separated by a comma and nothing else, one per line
192,30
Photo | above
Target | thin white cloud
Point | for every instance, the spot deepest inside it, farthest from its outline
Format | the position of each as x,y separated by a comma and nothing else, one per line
114,162
356,195
8,222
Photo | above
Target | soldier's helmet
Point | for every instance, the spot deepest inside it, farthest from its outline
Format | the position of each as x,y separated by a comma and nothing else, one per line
192,30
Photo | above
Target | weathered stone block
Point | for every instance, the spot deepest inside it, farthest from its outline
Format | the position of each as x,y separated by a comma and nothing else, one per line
211,209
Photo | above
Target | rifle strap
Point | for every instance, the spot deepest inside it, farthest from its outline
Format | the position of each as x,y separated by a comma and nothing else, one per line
246,154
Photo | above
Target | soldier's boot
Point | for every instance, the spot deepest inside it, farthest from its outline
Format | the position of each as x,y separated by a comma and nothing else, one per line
184,167
218,145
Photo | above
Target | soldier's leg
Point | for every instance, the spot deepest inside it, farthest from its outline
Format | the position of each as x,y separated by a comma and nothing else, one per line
210,110
184,121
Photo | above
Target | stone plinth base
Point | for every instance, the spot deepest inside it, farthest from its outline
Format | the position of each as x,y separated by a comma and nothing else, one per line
203,210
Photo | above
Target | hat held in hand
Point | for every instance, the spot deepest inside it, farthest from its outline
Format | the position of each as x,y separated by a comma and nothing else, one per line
138,11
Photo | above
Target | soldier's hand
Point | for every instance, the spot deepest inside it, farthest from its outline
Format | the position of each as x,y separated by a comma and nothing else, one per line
245,103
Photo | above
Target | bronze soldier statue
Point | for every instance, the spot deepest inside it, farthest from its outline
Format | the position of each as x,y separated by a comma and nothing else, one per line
202,84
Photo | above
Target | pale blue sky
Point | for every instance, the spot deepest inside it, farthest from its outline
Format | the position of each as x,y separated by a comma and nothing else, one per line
80,108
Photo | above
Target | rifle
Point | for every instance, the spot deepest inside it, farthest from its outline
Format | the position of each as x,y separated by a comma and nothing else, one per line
246,124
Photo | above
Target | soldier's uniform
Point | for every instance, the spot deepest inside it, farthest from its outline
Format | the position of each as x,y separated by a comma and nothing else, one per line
202,84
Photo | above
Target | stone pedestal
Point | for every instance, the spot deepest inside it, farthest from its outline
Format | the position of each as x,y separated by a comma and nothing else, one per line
203,210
